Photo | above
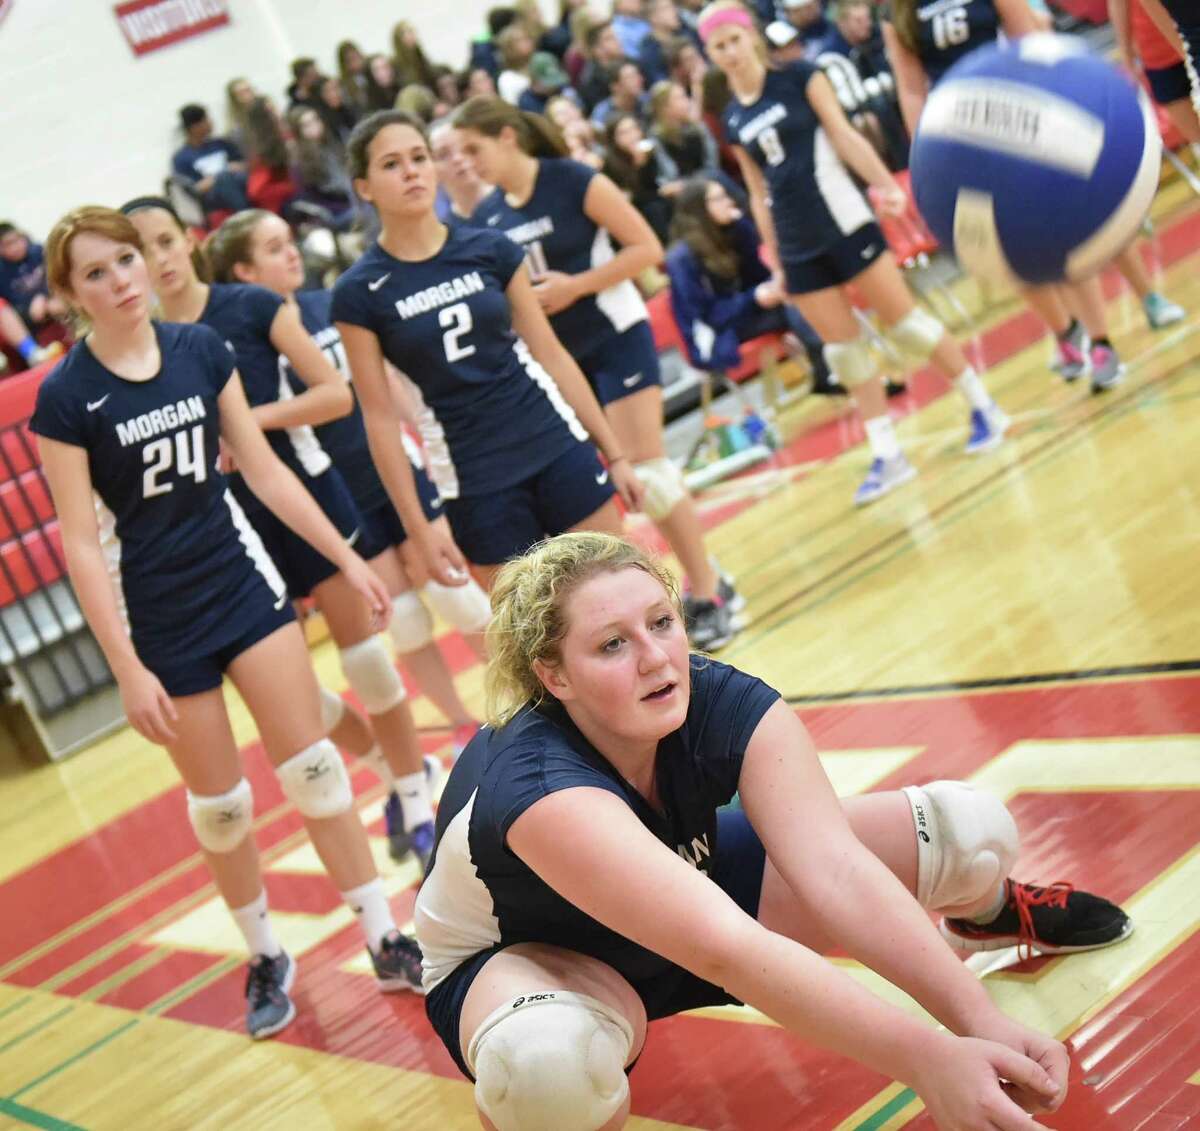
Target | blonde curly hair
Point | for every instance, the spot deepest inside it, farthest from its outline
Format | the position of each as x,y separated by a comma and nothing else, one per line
529,621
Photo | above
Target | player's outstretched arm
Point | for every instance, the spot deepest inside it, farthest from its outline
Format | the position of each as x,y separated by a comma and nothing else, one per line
587,845
283,494
533,327
383,422
327,396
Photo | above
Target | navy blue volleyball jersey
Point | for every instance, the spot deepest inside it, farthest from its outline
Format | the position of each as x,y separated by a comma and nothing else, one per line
242,315
949,29
814,202
557,235
179,548
479,894
445,322
344,439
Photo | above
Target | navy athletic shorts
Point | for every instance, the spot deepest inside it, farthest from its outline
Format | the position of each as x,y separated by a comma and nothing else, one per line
737,869
382,524
302,567
1169,84
624,365
492,528
834,265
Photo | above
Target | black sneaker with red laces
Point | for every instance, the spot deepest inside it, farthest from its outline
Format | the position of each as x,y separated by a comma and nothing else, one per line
1049,920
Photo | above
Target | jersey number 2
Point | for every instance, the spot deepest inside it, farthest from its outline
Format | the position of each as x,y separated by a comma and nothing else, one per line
951,28
457,321
185,450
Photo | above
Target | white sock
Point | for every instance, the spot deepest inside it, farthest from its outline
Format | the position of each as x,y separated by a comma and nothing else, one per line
255,925
973,389
379,767
370,907
413,791
882,437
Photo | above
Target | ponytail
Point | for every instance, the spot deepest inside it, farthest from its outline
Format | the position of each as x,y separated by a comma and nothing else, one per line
488,115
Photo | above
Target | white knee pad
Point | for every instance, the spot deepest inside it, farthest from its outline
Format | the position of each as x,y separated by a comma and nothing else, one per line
967,842
316,781
551,1062
665,488
222,822
412,623
372,676
465,606
852,363
917,334
333,707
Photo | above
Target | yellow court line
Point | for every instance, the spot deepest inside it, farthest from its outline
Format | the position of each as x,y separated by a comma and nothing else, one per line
126,974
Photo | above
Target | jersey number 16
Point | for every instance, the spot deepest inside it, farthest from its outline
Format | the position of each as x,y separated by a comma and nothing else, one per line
185,450
951,28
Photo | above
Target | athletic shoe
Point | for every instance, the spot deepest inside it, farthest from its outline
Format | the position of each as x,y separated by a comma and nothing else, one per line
728,595
1107,369
895,388
988,426
399,842
1161,311
421,839
1072,361
828,386
268,1007
709,624
398,964
1051,920
885,475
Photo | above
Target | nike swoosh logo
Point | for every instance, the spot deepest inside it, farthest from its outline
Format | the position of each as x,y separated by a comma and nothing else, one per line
629,382
377,283
353,537
867,252
93,405
602,478
281,602
493,220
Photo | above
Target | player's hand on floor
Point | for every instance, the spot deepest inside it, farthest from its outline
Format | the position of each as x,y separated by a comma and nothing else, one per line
962,1085
148,707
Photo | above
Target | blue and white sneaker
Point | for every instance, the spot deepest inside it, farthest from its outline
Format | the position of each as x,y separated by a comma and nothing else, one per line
988,426
885,475
1161,311
1107,368
268,1007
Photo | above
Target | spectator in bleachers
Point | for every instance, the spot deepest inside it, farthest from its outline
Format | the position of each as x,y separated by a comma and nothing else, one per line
337,111
676,127
381,85
722,293
352,70
626,93
271,182
479,83
213,166
783,42
306,79
603,52
559,38
460,189
547,80
575,58
483,49
579,135
239,93
687,66
640,168
665,28
15,339
630,26
408,57
447,89
320,167
809,20
417,100
516,47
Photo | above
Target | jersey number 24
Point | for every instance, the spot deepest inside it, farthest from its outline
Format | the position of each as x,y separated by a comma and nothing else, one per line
184,451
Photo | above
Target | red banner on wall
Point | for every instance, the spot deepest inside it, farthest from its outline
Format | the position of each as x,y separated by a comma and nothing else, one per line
151,24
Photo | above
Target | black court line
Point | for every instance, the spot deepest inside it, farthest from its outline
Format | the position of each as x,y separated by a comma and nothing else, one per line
1166,667
1110,405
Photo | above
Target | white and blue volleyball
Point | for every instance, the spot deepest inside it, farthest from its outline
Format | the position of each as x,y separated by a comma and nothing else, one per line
1035,161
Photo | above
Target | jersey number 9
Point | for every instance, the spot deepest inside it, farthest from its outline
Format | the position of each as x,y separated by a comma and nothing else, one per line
771,146
457,321
185,450
951,28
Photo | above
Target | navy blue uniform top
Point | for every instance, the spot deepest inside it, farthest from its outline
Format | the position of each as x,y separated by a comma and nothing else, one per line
242,315
949,29
558,235
479,894
814,202
172,534
446,323
344,439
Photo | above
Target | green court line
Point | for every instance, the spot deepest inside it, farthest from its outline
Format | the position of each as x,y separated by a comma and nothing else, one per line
16,1005
893,1107
36,1028
76,1058
34,1118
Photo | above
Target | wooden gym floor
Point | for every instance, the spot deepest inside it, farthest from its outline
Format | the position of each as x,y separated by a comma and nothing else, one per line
1029,619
